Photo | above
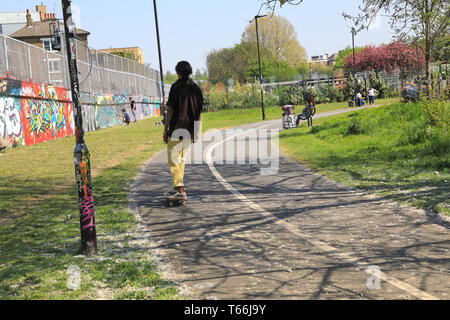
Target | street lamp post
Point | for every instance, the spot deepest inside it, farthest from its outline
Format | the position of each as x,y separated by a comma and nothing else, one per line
259,64
81,153
160,61
354,58
353,45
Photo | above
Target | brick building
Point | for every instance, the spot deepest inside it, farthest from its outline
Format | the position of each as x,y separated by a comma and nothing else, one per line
44,31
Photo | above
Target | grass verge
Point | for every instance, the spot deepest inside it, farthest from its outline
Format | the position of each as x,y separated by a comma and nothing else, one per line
392,151
235,117
39,233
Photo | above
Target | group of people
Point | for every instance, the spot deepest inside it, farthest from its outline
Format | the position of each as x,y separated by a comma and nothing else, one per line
360,98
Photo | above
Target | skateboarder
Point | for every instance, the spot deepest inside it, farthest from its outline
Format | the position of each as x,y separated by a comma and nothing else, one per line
185,105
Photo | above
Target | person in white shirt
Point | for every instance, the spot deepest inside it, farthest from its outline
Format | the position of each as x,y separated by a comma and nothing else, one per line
359,99
372,94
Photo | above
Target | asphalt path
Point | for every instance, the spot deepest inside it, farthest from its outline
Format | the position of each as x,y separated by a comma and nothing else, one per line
286,233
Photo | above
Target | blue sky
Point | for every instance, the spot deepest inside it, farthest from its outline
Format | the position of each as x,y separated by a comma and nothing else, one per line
192,28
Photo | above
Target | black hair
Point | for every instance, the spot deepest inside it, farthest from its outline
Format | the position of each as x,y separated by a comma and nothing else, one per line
184,69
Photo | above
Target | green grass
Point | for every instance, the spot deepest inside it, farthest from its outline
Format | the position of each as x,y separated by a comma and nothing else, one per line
236,117
41,240
391,151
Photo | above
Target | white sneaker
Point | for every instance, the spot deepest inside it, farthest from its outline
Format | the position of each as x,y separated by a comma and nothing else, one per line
178,196
170,193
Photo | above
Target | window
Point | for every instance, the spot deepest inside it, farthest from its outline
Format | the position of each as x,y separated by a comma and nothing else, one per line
47,44
54,65
52,44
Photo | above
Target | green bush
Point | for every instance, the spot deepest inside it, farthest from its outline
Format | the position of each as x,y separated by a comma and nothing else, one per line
424,123
292,96
241,96
357,126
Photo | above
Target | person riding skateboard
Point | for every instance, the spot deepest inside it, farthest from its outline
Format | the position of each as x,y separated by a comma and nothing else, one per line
185,106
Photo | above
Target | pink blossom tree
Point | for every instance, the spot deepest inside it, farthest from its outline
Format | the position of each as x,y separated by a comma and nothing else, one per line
394,56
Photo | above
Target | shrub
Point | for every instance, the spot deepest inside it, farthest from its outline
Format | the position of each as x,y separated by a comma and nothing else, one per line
357,126
293,96
242,96
436,112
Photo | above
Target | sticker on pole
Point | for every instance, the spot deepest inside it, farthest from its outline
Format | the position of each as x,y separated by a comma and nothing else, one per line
73,50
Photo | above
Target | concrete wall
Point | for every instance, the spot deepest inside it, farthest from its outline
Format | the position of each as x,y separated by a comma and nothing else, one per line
33,113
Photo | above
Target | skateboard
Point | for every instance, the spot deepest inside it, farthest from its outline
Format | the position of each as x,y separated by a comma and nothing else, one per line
175,203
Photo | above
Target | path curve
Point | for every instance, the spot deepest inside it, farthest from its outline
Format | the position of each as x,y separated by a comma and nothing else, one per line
294,235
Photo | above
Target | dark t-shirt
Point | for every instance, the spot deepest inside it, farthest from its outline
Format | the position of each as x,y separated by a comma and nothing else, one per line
133,105
186,100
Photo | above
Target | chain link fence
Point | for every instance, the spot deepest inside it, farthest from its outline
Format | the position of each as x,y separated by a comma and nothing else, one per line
99,72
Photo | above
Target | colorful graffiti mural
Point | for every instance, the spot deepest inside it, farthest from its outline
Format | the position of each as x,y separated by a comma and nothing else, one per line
47,112
11,128
33,113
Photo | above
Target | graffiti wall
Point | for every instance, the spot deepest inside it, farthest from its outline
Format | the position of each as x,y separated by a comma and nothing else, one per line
103,111
31,113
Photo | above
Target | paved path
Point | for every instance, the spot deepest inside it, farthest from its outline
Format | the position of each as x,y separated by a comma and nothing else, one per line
294,235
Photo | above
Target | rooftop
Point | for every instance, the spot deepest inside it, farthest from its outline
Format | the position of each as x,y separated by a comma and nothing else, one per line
41,29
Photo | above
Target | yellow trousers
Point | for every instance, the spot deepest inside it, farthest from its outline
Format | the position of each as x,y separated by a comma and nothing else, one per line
177,152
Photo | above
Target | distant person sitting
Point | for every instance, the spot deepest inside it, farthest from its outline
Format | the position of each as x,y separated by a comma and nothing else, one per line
125,118
359,99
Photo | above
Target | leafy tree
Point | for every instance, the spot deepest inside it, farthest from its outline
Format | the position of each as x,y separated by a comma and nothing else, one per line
322,69
422,22
280,70
278,41
441,50
227,63
200,75
343,54
271,4
352,86
379,85
170,78
128,54
396,55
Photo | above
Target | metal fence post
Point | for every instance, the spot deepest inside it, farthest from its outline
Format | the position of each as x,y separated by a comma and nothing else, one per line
6,56
98,70
114,68
29,63
48,67
90,63
123,75
63,63
135,78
